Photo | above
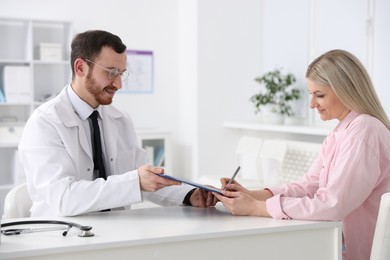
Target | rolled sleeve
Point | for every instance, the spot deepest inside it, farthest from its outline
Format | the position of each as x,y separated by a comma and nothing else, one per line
274,207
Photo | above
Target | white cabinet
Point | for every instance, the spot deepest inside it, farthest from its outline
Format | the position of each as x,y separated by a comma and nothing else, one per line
34,66
158,145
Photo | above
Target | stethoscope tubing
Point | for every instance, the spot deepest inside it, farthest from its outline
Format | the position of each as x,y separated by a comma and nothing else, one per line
19,231
85,229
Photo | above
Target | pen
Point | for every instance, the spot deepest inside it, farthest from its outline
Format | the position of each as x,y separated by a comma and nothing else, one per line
234,176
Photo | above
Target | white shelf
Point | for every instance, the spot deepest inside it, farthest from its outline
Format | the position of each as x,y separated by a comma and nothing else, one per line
15,104
61,62
21,47
152,131
292,129
6,187
9,145
16,61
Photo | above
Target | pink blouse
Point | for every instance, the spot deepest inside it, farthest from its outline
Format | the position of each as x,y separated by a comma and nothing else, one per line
345,182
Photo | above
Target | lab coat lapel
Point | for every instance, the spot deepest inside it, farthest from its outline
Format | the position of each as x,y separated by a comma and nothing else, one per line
110,128
69,119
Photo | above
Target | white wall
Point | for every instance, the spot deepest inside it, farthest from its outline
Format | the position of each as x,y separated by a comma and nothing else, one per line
207,54
239,40
185,138
144,25
286,42
381,51
205,63
230,58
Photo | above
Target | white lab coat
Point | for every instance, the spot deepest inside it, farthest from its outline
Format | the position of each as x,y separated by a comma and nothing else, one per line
58,162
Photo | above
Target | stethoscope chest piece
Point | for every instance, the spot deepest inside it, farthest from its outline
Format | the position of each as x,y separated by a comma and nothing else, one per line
86,231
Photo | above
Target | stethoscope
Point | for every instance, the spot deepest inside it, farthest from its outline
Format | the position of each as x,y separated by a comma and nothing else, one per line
85,231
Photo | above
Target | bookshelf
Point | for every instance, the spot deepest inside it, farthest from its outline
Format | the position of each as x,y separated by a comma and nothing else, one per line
34,66
158,145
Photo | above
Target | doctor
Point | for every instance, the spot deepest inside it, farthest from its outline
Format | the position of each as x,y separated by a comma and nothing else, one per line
56,148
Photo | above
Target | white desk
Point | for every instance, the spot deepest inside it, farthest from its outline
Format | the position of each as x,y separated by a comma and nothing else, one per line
180,233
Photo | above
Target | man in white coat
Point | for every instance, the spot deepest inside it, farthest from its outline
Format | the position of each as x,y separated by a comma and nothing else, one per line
56,148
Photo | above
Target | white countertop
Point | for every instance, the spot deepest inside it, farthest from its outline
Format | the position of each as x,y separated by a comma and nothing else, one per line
147,226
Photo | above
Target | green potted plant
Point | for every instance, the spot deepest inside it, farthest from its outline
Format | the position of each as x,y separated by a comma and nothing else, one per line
276,94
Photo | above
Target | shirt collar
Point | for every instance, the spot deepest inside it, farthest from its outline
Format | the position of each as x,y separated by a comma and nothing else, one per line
80,106
346,121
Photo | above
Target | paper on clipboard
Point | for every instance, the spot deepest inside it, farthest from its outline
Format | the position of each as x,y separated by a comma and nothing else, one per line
197,185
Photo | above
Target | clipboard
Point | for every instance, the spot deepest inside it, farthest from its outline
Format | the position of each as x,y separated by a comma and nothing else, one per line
197,185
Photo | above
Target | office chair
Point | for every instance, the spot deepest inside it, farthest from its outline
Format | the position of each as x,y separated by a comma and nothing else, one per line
17,203
247,154
380,249
285,161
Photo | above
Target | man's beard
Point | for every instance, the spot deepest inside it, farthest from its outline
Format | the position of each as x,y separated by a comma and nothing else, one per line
96,92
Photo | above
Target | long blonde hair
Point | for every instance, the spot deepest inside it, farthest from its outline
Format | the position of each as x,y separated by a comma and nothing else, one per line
348,78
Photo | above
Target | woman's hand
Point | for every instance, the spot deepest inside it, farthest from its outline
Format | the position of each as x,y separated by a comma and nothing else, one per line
256,194
242,204
234,186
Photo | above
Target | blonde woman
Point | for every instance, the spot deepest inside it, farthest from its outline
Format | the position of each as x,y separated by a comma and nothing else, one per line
352,170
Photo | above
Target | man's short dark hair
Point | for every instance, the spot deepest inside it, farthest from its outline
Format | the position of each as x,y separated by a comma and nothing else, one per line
88,45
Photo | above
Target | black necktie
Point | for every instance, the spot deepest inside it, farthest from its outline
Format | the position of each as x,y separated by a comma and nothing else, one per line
97,147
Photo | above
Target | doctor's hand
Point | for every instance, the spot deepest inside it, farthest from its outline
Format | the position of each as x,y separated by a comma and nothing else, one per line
242,204
149,181
203,199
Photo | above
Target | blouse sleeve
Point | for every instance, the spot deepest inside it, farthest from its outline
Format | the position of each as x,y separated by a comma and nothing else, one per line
350,167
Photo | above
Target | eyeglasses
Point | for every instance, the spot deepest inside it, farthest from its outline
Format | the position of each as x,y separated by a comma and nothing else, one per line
112,72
